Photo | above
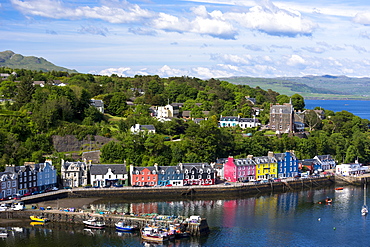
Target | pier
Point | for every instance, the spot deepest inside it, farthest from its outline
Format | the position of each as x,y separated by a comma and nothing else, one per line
194,228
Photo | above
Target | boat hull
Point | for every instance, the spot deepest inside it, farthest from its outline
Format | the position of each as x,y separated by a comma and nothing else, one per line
154,238
38,219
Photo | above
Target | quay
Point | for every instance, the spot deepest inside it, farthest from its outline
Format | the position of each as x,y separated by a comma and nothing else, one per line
194,228
186,192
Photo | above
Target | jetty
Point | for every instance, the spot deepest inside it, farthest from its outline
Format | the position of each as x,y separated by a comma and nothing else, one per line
195,228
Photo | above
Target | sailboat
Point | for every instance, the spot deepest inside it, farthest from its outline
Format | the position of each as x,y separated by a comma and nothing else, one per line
364,210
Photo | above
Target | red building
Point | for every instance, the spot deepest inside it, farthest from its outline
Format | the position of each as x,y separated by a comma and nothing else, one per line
143,176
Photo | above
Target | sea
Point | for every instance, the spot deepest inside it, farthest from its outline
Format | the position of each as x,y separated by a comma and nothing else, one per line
357,107
299,218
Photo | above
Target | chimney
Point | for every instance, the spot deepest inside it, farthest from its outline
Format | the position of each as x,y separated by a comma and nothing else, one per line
270,154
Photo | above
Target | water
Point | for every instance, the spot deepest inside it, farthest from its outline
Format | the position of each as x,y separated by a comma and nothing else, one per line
357,107
284,219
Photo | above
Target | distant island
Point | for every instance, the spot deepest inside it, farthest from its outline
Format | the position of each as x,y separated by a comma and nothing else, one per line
12,60
311,87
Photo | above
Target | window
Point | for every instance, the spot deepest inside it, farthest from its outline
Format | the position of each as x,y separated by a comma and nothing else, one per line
200,176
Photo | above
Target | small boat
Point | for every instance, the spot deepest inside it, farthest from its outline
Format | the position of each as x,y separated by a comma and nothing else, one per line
94,223
154,234
339,188
39,219
3,233
328,200
364,209
121,226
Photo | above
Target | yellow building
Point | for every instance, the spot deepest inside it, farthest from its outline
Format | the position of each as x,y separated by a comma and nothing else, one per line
266,167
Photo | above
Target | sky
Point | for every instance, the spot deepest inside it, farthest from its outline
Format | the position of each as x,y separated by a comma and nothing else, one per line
200,38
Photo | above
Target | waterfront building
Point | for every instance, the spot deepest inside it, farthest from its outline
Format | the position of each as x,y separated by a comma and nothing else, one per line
218,166
237,170
169,175
26,177
352,169
266,167
74,174
143,176
46,175
287,164
327,162
198,173
230,121
108,175
8,184
311,165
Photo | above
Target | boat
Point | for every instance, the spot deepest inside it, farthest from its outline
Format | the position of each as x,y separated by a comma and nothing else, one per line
39,218
328,200
36,223
121,226
94,223
154,234
364,209
3,233
339,188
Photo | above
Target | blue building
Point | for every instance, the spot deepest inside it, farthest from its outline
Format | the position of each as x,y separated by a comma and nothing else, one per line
170,175
46,175
287,164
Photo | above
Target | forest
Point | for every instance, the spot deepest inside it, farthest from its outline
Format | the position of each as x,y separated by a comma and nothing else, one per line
31,115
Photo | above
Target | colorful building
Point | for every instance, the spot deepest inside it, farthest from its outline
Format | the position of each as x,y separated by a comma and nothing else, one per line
105,175
170,175
266,167
240,169
287,164
198,173
46,175
143,176
8,184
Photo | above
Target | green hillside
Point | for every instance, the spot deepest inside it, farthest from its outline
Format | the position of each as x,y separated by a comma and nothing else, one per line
311,87
16,61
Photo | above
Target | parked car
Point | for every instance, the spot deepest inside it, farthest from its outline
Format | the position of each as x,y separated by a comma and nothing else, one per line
118,185
168,185
36,192
88,186
27,194
67,187
227,183
54,188
245,181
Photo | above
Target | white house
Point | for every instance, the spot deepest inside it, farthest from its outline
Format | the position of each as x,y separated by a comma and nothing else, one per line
230,121
108,175
137,128
353,169
98,104
168,111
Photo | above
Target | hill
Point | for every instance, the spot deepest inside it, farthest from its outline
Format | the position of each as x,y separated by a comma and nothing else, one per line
311,87
16,61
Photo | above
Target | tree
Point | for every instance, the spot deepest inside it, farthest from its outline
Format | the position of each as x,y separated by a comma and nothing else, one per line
298,102
24,92
312,119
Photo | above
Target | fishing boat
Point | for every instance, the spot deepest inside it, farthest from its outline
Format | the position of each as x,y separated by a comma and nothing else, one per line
154,234
121,226
364,209
94,223
39,219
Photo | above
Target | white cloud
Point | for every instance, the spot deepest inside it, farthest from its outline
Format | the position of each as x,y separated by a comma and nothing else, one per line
56,10
232,59
118,71
167,71
295,60
362,18
272,20
206,73
94,30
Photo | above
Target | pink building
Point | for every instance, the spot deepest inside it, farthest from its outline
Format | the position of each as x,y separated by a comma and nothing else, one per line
240,169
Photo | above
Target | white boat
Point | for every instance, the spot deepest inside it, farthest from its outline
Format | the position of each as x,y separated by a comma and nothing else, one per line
154,234
364,209
94,223
121,226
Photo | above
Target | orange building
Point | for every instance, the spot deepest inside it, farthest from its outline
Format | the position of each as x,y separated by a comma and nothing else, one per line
143,176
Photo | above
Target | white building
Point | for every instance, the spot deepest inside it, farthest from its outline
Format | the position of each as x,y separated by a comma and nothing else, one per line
168,111
137,128
108,175
230,121
74,174
351,169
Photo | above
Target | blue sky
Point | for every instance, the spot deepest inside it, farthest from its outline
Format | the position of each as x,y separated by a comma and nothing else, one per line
204,39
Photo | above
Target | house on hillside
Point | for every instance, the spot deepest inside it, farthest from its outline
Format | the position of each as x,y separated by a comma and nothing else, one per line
98,104
74,174
137,128
102,175
230,121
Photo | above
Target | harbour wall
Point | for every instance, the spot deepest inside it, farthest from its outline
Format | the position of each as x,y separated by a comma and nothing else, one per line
182,192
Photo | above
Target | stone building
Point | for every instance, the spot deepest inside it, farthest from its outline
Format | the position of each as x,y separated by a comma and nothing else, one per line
74,174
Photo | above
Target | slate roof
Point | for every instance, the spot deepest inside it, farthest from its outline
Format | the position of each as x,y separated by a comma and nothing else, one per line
103,169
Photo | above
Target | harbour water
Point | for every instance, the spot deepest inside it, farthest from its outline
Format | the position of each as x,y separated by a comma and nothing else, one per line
281,219
357,107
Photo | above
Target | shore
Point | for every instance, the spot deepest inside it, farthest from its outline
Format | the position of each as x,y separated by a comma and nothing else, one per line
66,203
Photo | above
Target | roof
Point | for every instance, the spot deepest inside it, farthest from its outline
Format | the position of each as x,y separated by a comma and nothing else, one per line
148,127
285,109
97,103
102,169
